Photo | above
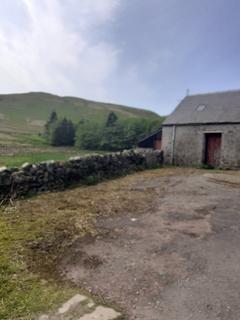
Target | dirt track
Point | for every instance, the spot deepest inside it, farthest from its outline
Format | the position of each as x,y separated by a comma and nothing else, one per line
177,260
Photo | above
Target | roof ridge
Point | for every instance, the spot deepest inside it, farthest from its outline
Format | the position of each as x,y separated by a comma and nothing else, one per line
223,106
151,134
211,93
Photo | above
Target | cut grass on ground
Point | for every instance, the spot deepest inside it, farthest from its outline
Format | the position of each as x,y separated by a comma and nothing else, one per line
35,234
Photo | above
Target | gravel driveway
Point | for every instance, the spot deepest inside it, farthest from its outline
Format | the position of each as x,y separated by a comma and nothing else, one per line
177,260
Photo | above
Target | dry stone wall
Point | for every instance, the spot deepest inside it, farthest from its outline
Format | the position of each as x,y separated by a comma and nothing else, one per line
58,175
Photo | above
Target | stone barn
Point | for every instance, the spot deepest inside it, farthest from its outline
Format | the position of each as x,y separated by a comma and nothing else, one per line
204,129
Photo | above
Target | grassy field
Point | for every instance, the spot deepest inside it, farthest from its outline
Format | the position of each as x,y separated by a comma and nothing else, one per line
20,148
18,160
23,116
29,112
36,157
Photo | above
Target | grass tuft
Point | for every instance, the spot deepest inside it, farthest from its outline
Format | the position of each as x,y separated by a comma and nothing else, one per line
22,293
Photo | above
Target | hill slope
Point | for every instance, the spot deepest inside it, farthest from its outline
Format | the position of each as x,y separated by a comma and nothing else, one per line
28,112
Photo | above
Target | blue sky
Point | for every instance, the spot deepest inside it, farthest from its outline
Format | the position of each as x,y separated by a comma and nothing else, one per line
142,53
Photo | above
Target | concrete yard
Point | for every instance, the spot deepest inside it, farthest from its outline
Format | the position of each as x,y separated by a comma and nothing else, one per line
177,258
155,245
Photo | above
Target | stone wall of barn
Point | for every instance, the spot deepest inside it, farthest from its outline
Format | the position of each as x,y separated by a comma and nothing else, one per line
57,175
189,144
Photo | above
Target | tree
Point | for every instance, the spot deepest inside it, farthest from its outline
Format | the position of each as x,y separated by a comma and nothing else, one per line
62,133
112,119
113,138
115,134
154,125
88,136
52,119
134,130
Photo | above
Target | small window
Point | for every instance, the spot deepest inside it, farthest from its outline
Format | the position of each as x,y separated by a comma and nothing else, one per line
201,107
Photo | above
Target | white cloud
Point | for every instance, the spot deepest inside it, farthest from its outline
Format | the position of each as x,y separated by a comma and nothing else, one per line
52,54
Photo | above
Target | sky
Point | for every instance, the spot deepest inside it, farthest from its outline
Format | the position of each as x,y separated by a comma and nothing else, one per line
141,53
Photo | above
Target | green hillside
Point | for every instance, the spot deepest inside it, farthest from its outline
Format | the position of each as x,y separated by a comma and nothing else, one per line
28,112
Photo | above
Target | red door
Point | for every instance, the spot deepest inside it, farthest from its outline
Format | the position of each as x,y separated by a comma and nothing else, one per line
213,149
158,144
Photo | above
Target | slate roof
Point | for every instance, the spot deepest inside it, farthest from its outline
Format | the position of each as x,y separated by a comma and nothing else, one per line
152,135
217,107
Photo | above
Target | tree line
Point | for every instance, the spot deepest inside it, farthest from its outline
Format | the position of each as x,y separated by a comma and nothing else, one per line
113,135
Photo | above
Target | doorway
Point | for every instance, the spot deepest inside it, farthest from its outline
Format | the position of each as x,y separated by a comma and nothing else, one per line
158,144
213,143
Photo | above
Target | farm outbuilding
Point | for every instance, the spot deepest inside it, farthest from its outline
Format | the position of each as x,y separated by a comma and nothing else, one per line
204,129
153,141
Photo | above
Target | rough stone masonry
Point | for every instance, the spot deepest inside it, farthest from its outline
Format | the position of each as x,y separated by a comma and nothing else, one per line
58,175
